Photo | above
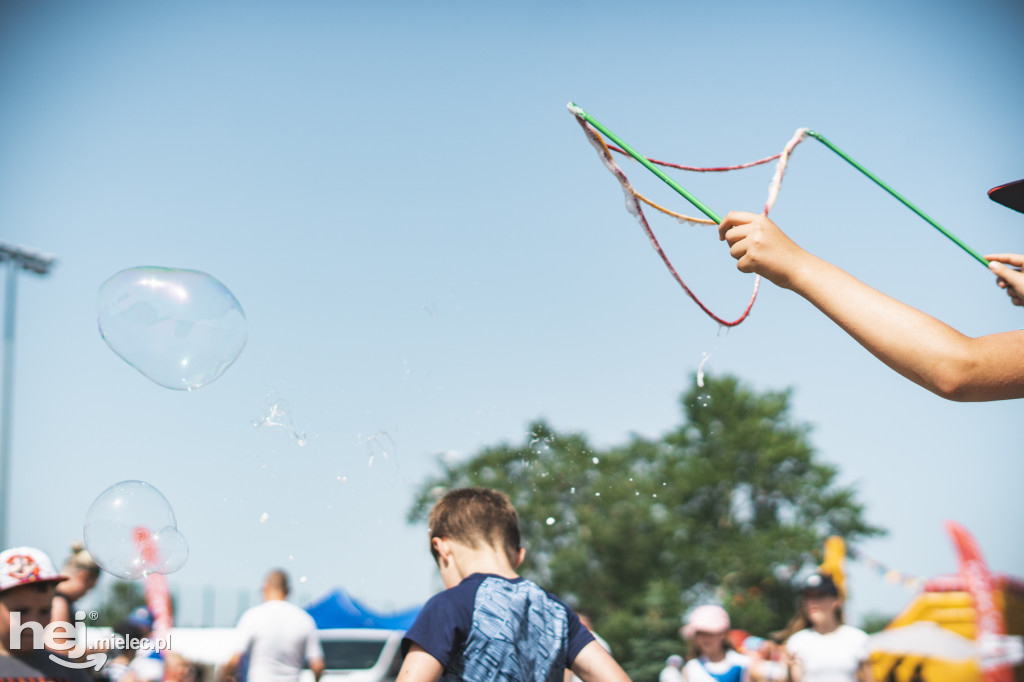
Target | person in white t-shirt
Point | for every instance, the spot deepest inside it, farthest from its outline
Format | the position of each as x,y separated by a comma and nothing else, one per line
712,657
279,638
673,670
826,650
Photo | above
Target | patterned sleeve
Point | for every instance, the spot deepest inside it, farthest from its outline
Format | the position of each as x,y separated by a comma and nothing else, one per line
443,624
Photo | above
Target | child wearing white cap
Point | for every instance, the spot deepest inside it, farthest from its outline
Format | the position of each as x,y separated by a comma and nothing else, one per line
27,584
713,658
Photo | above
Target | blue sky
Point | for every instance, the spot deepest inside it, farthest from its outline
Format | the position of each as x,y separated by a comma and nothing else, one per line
430,255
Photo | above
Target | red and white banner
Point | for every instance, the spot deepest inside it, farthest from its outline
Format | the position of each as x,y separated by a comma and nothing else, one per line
990,626
158,599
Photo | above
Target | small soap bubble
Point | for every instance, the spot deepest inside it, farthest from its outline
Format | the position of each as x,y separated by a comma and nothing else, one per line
277,414
377,443
595,460
131,532
263,517
551,520
302,579
180,328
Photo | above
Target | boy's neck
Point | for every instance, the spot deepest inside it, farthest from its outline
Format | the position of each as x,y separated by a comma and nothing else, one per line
466,560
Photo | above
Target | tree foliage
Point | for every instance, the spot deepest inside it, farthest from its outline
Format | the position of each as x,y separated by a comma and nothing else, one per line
121,598
725,508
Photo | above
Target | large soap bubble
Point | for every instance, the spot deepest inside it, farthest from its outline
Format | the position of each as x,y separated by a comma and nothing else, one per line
181,328
130,530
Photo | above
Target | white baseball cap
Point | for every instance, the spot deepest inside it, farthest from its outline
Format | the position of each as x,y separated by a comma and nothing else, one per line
709,618
24,565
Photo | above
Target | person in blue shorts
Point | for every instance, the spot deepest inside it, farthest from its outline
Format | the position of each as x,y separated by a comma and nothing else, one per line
489,623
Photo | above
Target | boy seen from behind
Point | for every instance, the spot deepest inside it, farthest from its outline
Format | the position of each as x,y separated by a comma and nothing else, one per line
489,623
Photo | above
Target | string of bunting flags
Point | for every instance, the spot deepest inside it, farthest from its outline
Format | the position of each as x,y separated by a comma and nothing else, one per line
888,574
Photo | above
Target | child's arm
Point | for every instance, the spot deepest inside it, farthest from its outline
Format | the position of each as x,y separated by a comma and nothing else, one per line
594,664
419,666
1008,278
864,673
918,346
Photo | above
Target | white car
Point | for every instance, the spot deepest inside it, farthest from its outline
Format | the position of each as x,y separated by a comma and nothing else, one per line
359,655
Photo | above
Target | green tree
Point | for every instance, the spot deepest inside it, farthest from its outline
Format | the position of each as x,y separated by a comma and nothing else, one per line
725,508
121,598
875,622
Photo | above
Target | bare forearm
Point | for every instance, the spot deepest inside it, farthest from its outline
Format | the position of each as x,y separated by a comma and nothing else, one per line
916,345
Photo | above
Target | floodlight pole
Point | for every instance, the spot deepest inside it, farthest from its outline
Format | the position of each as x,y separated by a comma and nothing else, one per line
17,259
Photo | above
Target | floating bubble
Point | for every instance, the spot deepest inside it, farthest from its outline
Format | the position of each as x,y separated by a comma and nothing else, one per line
131,531
375,445
277,413
551,520
180,328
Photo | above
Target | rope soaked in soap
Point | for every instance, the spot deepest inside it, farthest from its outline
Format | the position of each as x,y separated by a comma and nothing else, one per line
634,199
701,169
634,207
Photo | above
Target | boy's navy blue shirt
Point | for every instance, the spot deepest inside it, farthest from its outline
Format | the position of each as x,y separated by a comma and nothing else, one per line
492,628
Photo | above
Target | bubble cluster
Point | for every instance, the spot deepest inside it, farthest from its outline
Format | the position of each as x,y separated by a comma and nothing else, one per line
180,328
131,532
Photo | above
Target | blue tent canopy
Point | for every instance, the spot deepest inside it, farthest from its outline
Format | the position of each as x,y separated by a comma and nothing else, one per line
337,609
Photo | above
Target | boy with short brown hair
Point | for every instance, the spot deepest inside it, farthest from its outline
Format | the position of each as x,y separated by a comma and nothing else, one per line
489,623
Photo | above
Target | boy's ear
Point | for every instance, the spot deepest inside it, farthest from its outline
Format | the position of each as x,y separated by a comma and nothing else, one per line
443,549
519,557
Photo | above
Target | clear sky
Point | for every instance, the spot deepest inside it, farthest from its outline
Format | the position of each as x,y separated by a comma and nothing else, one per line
430,255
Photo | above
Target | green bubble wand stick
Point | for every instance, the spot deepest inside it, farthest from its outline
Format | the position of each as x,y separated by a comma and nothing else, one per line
698,204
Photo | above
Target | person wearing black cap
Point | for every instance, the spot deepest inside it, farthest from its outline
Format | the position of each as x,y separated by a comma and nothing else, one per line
823,649
916,345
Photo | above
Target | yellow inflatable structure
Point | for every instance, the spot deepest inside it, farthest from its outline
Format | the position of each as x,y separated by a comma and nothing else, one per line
935,638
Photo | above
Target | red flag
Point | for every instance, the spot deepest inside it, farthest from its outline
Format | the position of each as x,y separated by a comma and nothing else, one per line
990,626
158,599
